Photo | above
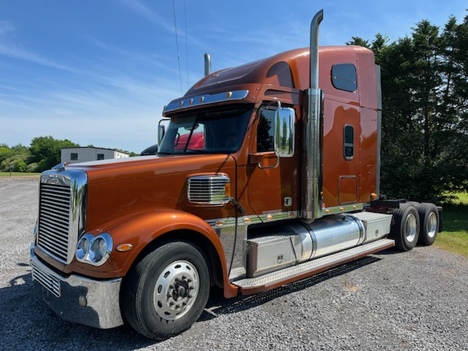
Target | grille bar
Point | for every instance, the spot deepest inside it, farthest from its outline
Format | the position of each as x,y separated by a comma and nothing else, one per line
54,219
48,281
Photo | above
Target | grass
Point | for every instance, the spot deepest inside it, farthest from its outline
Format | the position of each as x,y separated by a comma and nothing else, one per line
18,174
462,198
454,237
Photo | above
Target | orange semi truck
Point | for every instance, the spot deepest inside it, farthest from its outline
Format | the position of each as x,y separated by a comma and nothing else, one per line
265,174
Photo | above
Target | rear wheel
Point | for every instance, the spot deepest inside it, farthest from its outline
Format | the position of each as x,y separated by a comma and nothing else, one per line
405,230
429,219
167,291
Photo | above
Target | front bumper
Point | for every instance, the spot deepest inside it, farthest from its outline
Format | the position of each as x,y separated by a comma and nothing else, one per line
78,299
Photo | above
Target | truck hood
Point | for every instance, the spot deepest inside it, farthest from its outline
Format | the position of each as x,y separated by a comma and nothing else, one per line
147,166
116,188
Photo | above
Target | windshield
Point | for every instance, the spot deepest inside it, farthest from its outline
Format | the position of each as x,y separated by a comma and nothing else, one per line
219,131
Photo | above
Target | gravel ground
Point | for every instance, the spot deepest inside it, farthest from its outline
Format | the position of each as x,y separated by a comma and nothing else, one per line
388,301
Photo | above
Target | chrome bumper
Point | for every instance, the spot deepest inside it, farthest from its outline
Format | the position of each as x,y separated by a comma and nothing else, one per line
77,299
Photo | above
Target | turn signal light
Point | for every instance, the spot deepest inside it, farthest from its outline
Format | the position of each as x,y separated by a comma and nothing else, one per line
124,247
227,189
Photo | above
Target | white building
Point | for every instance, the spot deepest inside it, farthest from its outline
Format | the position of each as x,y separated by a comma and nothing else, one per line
83,154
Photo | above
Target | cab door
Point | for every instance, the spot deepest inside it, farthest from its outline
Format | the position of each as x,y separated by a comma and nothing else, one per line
273,189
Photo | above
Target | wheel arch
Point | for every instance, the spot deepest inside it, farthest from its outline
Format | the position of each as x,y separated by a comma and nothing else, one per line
148,230
195,238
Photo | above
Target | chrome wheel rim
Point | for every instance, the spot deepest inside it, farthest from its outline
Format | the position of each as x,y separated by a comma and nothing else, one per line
176,290
411,227
431,226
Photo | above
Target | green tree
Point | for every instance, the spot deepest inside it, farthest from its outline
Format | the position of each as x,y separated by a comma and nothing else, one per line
20,165
46,151
14,158
425,110
5,152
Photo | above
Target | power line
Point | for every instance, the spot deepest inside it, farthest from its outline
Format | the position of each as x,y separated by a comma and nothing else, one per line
186,41
177,45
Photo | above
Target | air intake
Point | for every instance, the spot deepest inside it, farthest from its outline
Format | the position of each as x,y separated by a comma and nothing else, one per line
209,190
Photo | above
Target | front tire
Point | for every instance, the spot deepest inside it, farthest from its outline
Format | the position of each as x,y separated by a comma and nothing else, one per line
166,291
405,230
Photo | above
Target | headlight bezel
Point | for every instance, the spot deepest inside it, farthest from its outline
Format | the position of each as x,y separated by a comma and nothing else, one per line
94,249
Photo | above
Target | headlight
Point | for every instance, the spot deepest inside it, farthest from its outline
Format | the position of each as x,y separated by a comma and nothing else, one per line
83,247
94,250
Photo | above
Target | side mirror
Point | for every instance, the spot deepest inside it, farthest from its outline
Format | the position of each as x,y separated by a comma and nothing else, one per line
284,132
162,125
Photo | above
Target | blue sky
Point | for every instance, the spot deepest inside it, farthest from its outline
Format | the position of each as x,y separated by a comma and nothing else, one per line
100,71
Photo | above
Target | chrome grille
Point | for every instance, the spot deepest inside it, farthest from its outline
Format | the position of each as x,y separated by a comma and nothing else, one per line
48,281
208,189
62,197
54,220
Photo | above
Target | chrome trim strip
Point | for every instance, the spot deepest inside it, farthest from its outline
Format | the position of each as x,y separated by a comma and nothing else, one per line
342,209
183,103
251,219
379,130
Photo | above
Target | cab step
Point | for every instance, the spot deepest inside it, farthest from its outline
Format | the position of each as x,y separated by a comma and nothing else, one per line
287,275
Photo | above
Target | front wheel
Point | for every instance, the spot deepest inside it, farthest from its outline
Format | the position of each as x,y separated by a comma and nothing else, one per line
405,230
166,291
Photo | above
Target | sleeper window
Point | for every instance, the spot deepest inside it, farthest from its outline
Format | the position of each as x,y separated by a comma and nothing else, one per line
344,77
348,142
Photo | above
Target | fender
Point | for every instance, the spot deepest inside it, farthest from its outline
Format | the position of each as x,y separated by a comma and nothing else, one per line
141,229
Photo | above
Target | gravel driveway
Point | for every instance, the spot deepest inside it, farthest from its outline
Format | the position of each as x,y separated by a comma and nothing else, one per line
389,301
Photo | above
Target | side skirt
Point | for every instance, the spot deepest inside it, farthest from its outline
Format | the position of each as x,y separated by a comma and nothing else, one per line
284,276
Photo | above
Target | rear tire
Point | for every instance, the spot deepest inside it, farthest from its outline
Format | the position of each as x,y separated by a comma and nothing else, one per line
429,219
414,203
406,228
166,292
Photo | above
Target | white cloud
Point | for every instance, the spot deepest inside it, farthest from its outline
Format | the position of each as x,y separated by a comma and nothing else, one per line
16,50
111,93
149,14
6,27
122,114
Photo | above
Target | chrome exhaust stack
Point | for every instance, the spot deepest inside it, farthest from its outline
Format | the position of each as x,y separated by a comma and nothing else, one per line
207,64
312,148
